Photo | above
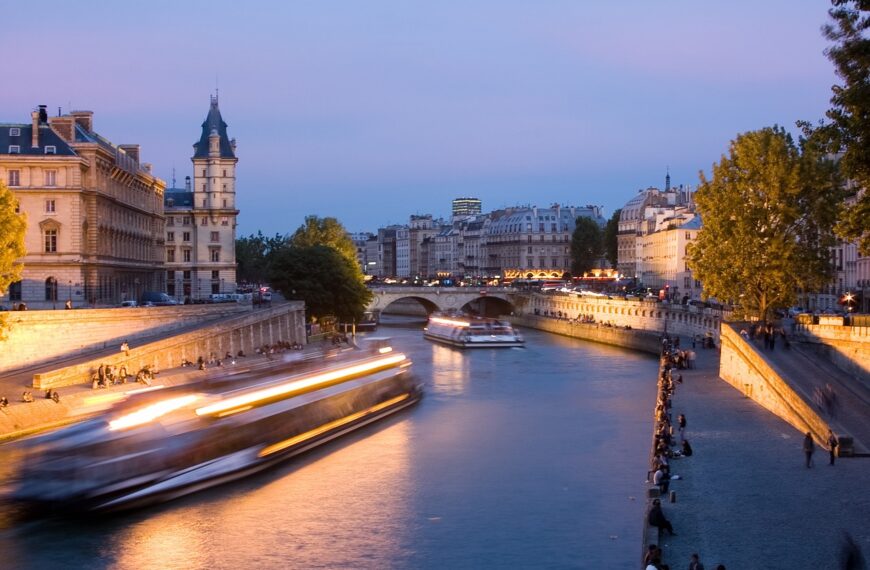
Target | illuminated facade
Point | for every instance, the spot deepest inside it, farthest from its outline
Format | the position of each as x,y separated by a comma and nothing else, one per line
94,213
201,217
466,207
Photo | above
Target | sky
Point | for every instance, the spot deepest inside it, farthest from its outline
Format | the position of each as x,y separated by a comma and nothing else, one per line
372,111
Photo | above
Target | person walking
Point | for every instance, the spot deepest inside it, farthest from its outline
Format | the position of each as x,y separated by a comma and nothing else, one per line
681,422
809,448
125,348
833,443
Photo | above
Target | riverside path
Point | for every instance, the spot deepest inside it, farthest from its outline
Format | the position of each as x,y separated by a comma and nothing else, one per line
745,498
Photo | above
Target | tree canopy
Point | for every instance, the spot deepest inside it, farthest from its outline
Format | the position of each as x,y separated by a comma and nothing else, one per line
327,281
768,213
611,239
12,227
254,255
325,231
847,131
586,245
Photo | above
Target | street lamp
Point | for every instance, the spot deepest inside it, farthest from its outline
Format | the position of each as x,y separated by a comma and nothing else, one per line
70,292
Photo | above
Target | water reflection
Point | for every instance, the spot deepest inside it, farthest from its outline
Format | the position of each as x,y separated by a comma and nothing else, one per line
449,370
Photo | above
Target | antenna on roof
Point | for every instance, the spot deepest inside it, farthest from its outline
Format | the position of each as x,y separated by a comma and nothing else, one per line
173,176
216,87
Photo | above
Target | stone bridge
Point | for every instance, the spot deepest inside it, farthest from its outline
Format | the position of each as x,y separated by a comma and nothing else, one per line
491,301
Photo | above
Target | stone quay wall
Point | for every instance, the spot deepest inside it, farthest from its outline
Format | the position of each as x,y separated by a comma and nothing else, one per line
644,341
684,320
848,347
285,322
42,336
742,366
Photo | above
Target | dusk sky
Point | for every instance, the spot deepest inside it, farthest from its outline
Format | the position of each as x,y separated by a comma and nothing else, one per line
372,111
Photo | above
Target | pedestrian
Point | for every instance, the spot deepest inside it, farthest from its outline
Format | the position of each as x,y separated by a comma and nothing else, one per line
125,348
68,305
657,518
809,448
833,443
695,563
55,396
850,554
681,422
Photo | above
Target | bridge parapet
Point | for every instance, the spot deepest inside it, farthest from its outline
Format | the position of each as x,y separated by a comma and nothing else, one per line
437,298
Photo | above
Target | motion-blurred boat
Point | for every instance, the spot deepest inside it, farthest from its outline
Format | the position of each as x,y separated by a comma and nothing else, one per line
465,331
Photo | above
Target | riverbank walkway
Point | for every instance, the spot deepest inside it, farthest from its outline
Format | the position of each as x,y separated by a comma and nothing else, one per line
745,498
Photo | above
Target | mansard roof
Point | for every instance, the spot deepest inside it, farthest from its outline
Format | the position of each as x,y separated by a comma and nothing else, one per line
177,198
213,122
47,137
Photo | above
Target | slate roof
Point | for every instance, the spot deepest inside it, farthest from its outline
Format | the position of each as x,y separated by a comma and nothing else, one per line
693,224
177,198
47,137
213,121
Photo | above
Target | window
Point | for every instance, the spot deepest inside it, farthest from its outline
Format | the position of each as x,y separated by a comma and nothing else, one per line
224,189
186,275
530,250
185,236
688,236
203,172
170,221
15,291
170,255
225,173
170,236
225,201
215,288
204,222
14,178
50,241
203,201
225,221
50,149
14,149
215,236
215,255
186,256
51,177
170,275
50,207
185,220
687,282
215,274
51,289
14,132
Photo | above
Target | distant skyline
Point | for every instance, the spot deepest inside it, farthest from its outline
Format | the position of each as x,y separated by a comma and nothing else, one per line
373,111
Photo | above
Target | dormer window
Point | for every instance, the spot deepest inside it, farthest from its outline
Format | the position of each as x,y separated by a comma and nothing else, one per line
14,149
14,132
50,149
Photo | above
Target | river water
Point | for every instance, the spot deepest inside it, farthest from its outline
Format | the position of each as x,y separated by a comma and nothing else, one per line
515,458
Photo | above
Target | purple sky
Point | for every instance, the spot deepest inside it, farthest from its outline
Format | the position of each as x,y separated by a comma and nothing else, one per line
372,111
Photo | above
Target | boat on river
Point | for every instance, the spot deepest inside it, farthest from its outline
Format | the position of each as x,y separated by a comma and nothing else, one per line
161,444
466,331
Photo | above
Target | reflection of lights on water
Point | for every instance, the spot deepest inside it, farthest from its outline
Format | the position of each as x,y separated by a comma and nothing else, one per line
235,404
151,412
448,374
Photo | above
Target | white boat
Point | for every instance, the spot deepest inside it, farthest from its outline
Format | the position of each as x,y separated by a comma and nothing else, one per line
163,444
464,331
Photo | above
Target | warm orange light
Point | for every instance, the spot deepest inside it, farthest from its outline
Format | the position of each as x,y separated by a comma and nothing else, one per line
151,412
297,385
282,445
450,322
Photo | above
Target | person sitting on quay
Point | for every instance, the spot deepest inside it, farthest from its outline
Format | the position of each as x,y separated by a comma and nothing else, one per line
687,449
4,402
55,397
200,363
653,556
27,397
695,563
662,479
657,518
241,354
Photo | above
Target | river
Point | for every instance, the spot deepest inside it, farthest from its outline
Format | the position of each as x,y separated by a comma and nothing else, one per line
515,458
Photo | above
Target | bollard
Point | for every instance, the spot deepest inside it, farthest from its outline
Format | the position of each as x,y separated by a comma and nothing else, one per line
673,496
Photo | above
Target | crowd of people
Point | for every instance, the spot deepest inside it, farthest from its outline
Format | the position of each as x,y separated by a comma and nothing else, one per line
27,397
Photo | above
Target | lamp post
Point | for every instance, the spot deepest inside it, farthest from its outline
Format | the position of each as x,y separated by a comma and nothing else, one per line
70,293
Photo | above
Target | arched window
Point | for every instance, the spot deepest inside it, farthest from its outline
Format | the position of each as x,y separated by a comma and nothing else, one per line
51,289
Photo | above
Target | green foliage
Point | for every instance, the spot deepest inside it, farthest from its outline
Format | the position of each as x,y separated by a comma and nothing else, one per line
611,239
586,245
848,128
327,281
768,214
12,228
254,256
328,232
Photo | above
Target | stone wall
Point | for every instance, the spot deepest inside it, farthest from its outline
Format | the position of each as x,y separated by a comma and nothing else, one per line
747,370
285,322
685,320
847,347
42,336
644,341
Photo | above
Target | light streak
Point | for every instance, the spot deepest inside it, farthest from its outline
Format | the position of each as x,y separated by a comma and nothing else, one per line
451,322
283,390
282,445
151,412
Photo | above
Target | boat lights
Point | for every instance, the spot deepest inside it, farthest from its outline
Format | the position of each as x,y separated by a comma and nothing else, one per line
151,412
282,445
319,380
451,322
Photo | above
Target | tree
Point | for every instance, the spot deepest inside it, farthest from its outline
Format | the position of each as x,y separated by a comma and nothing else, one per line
848,129
611,239
328,232
327,281
586,245
768,214
254,256
12,227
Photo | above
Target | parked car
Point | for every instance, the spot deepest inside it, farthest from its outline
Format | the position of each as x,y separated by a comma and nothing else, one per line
156,298
130,303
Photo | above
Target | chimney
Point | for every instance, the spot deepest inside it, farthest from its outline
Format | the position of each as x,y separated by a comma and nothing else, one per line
84,119
34,136
64,127
233,145
147,167
43,115
187,183
131,150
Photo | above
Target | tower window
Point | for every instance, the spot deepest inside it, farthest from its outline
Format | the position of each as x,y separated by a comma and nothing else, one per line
225,173
225,221
215,236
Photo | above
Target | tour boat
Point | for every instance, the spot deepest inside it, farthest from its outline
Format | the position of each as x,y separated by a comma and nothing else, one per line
162,444
465,331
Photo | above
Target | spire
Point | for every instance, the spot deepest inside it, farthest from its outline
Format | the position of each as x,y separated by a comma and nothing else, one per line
667,178
213,122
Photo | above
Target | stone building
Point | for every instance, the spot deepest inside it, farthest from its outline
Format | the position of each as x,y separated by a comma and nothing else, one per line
201,217
94,213
662,255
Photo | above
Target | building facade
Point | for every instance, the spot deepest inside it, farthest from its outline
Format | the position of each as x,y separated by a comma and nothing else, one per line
201,217
463,207
94,213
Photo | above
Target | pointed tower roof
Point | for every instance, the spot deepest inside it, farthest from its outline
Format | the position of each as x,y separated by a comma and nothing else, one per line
213,122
